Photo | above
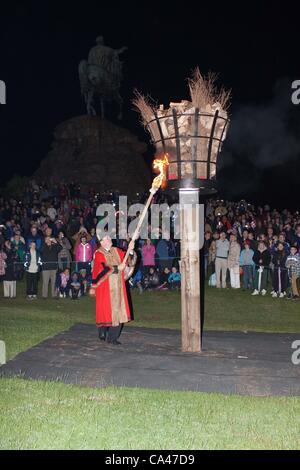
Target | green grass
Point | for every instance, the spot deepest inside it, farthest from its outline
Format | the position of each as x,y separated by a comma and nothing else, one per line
52,415
25,323
49,415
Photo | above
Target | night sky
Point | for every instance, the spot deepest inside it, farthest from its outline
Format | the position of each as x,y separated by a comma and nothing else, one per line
252,48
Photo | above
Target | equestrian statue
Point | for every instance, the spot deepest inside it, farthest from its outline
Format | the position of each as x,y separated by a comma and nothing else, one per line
100,77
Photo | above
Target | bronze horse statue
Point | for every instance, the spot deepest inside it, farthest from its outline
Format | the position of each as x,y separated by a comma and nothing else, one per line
100,76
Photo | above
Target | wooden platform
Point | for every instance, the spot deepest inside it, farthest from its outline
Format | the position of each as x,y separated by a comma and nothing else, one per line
231,362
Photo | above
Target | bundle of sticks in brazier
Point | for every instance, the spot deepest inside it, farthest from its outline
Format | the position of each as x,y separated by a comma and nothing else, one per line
189,131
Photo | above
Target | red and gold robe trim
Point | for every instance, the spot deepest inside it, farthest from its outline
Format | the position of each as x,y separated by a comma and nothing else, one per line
102,275
112,306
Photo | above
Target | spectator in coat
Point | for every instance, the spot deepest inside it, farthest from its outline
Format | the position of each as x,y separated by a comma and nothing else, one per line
9,278
289,233
162,252
279,259
293,266
206,247
64,256
296,239
9,229
49,255
281,239
18,244
222,249
93,241
247,265
2,233
82,232
253,243
234,262
32,264
148,256
3,258
213,251
84,255
34,236
51,212
262,259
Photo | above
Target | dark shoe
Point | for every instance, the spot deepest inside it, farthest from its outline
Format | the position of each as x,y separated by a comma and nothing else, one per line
115,342
102,334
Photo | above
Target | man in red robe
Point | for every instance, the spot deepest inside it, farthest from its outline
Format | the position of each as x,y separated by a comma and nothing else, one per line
108,285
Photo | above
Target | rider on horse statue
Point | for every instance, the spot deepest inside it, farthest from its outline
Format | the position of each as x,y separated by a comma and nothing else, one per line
101,76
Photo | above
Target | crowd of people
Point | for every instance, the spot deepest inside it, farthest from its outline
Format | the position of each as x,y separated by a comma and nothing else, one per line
52,231
258,246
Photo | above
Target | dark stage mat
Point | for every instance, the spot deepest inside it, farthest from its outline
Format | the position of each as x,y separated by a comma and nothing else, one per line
231,362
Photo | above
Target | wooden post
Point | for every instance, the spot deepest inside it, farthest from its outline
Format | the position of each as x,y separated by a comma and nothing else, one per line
190,270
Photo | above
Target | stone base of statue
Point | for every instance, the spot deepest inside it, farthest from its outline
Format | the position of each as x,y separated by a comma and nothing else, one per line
96,153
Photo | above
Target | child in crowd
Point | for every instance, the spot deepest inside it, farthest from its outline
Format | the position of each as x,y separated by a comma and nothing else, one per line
151,280
164,279
75,286
85,281
174,279
136,280
64,283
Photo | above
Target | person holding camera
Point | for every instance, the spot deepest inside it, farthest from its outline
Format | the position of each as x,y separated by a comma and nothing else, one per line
49,256
222,249
64,256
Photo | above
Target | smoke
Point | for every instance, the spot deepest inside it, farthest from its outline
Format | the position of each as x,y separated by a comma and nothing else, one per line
265,135
262,148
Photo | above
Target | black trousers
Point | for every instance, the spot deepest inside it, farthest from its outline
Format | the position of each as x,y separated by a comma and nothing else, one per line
280,278
32,283
111,333
75,293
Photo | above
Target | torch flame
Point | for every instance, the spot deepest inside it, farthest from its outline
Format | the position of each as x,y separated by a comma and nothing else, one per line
160,165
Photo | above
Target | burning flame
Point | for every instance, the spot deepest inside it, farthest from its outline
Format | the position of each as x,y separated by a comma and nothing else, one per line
160,165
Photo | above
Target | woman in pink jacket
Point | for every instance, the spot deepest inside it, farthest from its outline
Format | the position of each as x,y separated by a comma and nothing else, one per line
83,255
148,256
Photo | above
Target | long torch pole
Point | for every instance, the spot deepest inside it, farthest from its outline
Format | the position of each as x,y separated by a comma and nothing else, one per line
153,190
